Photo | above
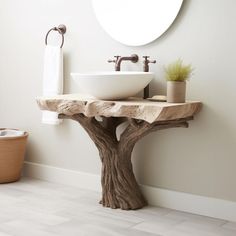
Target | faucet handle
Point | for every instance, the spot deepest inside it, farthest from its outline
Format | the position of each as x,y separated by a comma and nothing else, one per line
152,61
147,61
146,57
114,61
110,61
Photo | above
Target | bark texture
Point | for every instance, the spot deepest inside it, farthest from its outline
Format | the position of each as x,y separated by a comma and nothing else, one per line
119,186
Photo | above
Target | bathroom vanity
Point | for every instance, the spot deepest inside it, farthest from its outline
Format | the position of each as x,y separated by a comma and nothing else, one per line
101,118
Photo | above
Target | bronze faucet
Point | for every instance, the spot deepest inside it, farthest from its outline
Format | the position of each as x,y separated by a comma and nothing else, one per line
146,69
133,58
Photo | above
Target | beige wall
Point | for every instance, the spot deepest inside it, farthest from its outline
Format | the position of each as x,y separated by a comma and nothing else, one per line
199,160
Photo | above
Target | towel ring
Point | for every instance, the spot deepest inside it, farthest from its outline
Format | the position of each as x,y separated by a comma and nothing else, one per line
61,30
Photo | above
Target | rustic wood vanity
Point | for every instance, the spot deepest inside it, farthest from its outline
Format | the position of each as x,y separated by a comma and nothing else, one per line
101,118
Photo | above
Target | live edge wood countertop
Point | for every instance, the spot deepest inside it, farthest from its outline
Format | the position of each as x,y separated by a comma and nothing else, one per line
135,108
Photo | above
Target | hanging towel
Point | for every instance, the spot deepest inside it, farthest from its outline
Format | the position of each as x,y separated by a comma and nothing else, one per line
52,80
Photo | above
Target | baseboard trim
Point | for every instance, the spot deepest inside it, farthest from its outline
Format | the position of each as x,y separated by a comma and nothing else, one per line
196,204
62,176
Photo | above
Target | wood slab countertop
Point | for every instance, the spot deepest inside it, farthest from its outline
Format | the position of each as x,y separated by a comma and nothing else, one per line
136,108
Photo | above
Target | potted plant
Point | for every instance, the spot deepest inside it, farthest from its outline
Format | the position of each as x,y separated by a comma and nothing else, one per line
176,76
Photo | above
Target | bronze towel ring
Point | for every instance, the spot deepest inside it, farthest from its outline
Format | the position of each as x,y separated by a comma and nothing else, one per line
61,30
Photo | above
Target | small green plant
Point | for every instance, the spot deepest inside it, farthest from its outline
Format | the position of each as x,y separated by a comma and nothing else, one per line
176,71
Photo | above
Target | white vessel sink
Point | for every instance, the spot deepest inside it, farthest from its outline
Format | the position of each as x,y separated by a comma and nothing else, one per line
112,85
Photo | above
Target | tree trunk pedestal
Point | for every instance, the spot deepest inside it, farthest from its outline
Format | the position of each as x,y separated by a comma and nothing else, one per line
119,186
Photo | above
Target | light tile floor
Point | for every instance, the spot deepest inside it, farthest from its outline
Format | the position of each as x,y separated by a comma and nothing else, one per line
37,208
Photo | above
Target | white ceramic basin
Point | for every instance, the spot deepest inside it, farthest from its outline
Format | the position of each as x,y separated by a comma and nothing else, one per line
112,85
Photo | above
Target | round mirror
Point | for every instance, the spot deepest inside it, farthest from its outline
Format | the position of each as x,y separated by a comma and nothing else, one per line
136,22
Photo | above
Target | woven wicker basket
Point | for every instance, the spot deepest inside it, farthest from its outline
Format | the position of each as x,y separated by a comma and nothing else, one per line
12,151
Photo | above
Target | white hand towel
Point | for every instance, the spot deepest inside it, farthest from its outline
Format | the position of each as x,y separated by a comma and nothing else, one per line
52,80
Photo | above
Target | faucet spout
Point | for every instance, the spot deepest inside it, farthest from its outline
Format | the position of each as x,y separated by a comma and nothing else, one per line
133,58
